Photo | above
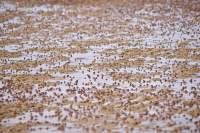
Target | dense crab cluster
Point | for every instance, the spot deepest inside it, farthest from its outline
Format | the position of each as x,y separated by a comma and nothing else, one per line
99,68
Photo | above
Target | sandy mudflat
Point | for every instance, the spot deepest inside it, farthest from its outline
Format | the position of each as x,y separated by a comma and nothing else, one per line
97,67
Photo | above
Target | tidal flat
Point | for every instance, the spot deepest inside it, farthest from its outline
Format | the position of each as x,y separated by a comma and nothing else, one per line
93,66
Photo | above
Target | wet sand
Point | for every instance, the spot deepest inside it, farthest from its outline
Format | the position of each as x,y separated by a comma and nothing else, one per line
99,66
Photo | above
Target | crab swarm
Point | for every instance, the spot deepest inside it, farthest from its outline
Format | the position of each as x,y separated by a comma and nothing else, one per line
129,66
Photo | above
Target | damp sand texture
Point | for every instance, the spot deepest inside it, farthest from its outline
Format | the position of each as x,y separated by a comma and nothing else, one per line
120,66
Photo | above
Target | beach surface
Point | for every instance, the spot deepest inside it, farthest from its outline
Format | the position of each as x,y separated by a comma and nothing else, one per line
99,66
